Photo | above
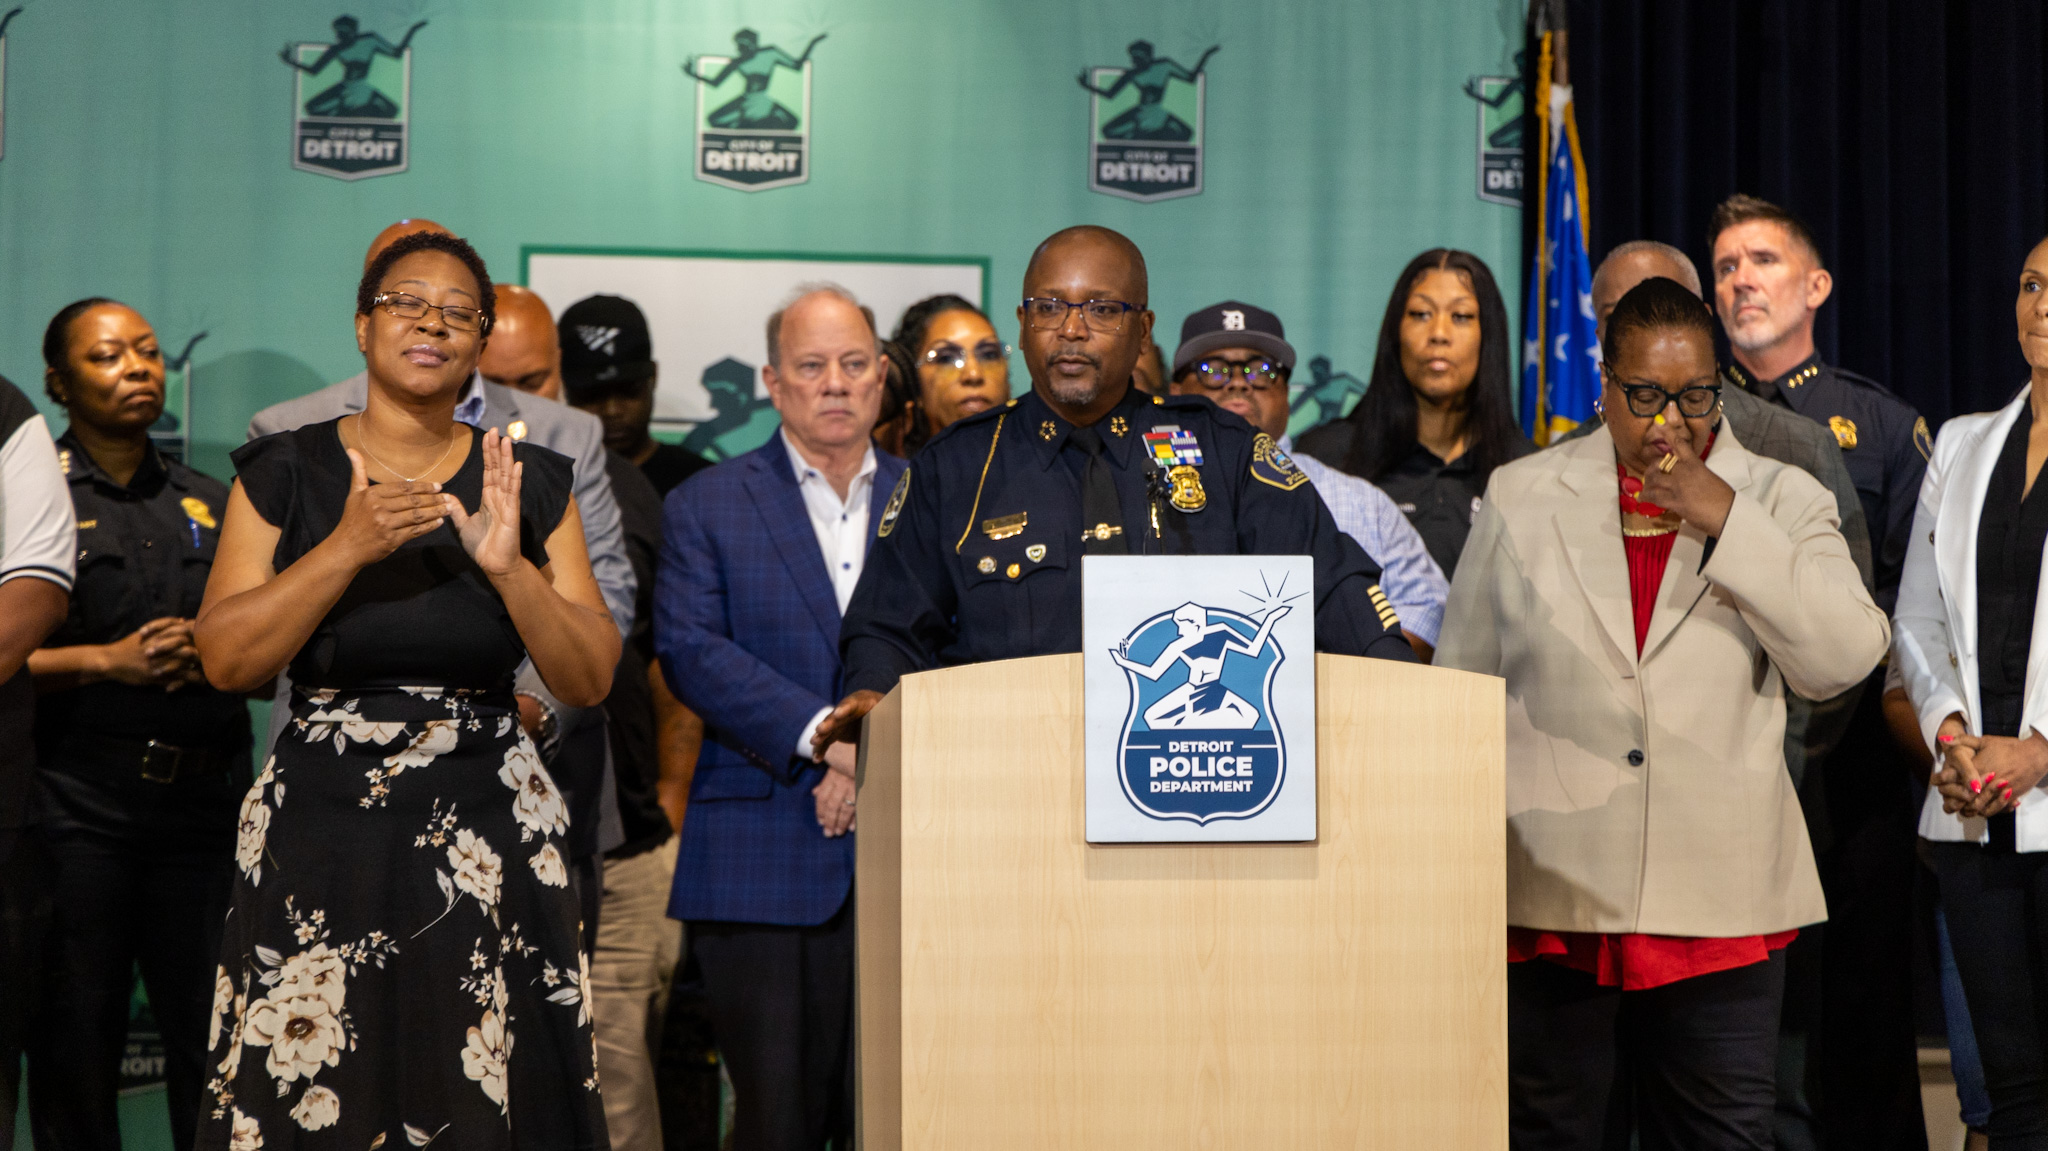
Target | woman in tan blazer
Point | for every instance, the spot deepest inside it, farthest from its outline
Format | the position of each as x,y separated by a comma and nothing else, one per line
1648,592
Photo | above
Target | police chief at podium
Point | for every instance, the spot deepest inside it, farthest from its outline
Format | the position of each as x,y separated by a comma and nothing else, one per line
978,552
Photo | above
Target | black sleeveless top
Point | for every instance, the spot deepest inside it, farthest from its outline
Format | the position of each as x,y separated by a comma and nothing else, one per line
425,615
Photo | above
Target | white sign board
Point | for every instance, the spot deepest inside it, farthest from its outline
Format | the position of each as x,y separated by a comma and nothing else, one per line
708,313
1199,683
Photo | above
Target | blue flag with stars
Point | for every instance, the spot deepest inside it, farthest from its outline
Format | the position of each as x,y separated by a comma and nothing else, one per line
1561,359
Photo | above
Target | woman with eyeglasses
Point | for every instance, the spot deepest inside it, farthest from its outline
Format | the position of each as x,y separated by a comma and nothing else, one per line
402,921
141,761
1648,592
961,368
1437,417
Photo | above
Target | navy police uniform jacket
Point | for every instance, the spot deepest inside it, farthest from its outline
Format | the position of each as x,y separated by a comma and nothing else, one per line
978,552
1884,445
117,759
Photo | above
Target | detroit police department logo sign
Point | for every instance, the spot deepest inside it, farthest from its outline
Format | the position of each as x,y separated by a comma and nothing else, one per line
1199,680
753,114
352,102
1145,125
1199,741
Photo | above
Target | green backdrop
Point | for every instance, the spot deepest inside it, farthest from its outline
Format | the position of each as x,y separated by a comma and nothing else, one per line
148,158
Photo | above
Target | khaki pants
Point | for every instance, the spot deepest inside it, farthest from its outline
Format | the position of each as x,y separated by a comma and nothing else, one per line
638,947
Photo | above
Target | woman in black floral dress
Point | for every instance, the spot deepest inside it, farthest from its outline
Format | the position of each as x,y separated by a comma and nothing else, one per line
401,964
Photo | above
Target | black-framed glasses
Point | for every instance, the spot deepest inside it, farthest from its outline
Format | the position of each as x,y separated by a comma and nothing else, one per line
1103,316
1646,400
948,356
457,316
1258,374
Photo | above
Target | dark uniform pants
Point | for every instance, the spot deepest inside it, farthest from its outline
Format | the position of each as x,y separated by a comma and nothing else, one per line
1687,1065
24,933
781,1006
143,874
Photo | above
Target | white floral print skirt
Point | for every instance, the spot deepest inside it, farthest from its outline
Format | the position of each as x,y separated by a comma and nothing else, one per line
401,965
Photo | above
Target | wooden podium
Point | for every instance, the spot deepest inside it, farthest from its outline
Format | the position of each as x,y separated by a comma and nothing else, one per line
1021,988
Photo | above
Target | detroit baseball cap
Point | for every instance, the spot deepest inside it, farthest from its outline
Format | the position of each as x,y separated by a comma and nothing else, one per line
1231,324
604,344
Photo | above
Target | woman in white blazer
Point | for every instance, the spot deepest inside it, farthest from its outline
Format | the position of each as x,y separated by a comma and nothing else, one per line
1648,591
1973,651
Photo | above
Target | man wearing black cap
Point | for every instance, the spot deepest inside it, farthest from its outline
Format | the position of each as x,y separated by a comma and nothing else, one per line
1238,356
608,368
978,554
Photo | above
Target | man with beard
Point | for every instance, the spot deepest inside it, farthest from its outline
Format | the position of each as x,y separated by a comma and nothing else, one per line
1852,1018
978,555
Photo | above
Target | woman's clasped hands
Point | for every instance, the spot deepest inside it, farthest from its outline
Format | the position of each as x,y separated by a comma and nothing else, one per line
1984,775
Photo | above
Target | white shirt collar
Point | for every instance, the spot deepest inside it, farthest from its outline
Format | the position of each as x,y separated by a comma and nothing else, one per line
804,470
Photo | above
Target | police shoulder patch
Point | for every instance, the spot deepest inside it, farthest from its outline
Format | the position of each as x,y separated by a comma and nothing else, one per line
1270,465
1921,439
895,505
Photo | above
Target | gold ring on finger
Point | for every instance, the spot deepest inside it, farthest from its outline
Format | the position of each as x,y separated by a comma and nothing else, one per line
1669,462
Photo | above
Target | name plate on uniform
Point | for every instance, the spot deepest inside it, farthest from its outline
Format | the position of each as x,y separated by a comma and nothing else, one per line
1199,688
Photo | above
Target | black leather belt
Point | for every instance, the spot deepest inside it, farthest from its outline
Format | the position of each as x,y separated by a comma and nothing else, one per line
151,760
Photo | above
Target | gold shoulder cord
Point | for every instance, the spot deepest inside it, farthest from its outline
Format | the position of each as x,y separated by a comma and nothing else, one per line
981,483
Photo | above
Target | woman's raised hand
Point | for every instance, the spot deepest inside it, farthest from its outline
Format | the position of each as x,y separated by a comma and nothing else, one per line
378,518
491,536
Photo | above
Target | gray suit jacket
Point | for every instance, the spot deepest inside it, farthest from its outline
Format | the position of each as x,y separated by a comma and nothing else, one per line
557,427
1811,728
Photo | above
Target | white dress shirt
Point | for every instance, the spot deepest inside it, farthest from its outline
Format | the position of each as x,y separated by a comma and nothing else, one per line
841,525
842,530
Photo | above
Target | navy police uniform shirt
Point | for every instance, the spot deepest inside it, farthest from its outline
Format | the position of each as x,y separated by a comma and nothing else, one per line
144,552
978,552
1884,444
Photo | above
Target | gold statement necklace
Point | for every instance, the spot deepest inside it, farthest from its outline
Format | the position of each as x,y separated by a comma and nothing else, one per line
364,440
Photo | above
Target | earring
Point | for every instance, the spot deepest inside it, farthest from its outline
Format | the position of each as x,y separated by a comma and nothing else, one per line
1599,407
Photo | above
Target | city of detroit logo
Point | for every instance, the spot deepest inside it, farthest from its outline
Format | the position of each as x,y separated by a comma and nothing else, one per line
753,114
1145,125
1199,741
352,102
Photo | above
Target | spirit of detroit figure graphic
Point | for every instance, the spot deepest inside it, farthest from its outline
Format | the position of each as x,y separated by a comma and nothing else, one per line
1509,135
756,64
1202,702
1149,120
1329,395
356,50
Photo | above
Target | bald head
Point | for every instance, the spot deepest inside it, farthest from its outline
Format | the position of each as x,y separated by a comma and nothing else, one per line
396,232
523,351
1080,362
1110,250
1630,264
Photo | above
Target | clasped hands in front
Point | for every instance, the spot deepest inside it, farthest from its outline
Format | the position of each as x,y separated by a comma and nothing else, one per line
833,745
1985,775
378,519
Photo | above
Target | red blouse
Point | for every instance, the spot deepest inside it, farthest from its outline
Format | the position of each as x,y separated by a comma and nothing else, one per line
1629,961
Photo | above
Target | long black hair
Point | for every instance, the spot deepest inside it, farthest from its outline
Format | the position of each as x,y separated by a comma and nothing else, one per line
911,330
1383,423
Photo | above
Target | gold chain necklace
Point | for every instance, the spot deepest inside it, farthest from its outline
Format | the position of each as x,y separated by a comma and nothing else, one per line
365,441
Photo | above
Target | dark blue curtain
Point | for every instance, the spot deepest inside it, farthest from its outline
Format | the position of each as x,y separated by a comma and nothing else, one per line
1911,136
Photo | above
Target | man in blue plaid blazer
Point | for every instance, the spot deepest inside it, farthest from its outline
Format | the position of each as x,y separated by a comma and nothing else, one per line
759,557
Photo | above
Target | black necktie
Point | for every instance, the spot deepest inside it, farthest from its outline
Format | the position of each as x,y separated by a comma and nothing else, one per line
1102,518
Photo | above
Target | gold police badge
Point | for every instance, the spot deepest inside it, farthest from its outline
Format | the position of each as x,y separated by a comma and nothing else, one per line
1844,429
1187,494
198,511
